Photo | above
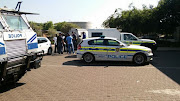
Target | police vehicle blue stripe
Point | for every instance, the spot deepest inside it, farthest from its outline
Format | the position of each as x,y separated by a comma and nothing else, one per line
129,50
134,50
1,44
2,50
97,49
123,49
31,38
111,49
32,46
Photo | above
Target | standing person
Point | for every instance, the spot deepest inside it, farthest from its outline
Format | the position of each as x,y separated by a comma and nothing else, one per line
84,35
74,40
60,43
70,44
64,42
55,43
79,40
66,45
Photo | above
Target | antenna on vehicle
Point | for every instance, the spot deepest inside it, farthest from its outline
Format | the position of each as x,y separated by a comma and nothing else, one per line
18,5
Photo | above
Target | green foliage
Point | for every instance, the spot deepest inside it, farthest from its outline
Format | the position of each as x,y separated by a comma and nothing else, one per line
65,26
52,32
48,25
37,27
162,19
168,14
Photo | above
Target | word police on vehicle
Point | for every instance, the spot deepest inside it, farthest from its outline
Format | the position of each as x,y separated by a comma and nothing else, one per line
107,48
18,46
15,35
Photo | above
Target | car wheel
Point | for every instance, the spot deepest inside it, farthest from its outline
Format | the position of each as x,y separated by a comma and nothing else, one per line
88,58
139,59
49,51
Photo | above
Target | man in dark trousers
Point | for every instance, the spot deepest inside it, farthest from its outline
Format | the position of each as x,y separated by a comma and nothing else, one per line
60,43
74,40
65,44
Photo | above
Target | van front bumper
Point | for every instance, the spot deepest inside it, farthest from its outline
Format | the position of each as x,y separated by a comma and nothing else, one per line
149,58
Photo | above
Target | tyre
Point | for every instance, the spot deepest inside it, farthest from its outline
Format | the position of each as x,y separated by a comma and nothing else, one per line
88,58
49,51
139,59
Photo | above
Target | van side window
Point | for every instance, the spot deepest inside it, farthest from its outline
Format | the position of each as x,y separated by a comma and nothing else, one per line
129,37
96,34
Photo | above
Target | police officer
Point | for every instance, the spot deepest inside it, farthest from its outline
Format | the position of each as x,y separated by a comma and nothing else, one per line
74,40
60,43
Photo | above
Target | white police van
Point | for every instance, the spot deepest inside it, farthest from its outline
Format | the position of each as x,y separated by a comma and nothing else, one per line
106,48
18,46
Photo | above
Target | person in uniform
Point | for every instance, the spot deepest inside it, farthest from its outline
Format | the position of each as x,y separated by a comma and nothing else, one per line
74,40
60,43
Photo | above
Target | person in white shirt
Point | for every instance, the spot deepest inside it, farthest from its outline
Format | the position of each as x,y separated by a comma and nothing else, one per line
55,43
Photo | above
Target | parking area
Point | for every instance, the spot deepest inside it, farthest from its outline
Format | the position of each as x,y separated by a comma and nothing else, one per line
65,78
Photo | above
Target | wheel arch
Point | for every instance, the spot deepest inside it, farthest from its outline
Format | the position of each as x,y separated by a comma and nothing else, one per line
141,54
50,48
89,53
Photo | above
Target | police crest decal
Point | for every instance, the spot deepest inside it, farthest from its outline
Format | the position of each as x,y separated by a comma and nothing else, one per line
117,49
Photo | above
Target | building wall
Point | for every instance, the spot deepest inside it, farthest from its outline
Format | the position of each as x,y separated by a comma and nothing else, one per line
83,25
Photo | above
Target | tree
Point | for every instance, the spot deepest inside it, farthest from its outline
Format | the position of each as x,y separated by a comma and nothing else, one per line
134,20
48,25
168,15
36,27
65,26
52,32
161,19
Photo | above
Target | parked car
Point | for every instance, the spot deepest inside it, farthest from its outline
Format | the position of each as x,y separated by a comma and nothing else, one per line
111,49
44,44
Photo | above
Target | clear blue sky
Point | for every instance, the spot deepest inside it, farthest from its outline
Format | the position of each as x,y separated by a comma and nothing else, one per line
95,11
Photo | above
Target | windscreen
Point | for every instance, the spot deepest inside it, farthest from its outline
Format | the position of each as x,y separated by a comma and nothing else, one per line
15,22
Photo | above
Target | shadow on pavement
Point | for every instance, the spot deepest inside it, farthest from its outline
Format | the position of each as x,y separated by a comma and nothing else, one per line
9,87
168,62
98,63
71,56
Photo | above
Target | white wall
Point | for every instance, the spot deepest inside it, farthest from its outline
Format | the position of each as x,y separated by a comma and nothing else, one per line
109,32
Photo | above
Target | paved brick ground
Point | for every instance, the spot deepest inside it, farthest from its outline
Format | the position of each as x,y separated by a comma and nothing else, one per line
64,78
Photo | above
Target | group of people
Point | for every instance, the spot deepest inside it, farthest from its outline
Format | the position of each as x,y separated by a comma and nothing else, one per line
67,43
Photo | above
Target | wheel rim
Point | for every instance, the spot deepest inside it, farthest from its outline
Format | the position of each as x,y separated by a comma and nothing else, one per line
139,59
88,58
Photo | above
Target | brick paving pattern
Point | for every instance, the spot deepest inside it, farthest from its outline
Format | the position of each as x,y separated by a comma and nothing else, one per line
64,78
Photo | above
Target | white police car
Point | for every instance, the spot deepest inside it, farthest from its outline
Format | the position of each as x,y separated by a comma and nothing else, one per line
107,48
